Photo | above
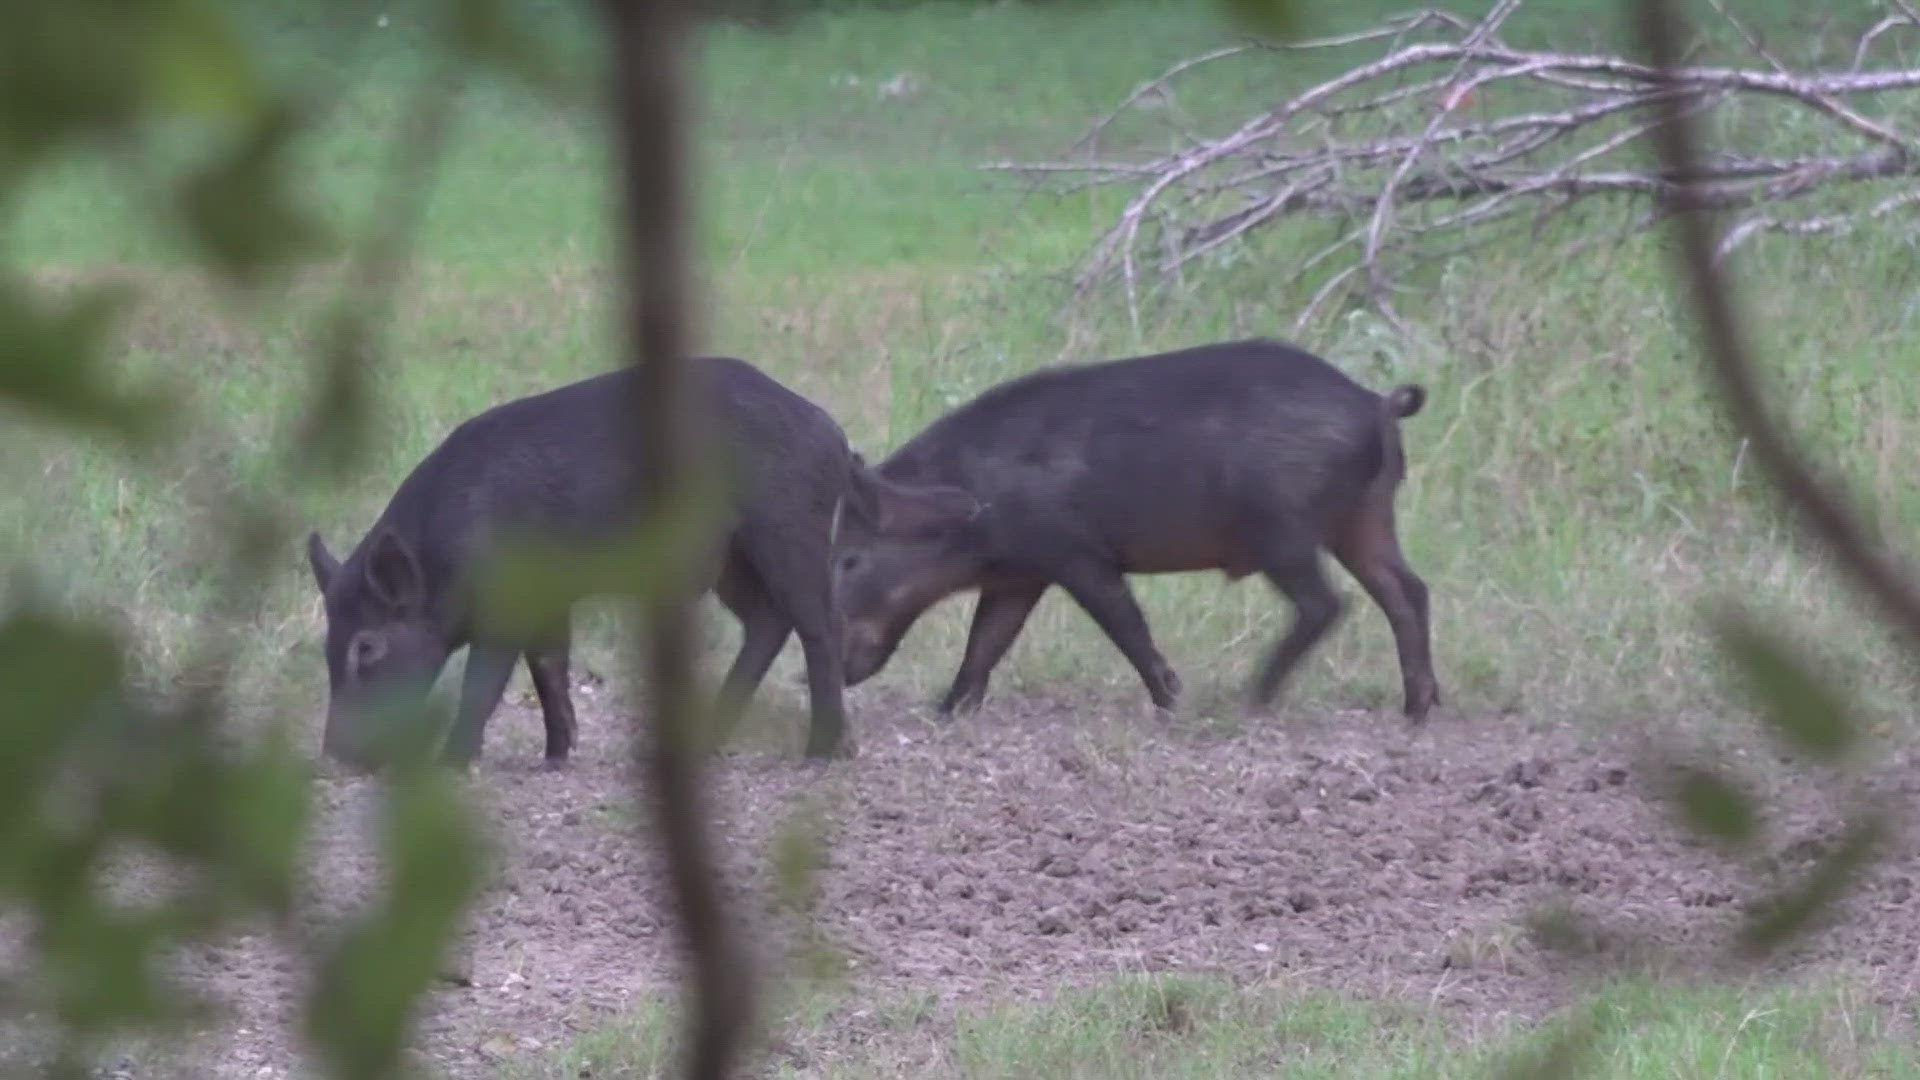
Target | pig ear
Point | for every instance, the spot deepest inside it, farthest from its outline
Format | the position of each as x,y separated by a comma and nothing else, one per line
863,491
394,573
924,510
905,509
324,565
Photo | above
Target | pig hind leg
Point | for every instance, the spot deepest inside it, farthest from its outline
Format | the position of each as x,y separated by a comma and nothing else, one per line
547,663
1102,591
1293,567
998,617
763,633
1370,550
795,567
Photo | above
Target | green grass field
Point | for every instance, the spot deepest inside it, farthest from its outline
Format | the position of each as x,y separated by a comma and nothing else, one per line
1189,1028
1573,493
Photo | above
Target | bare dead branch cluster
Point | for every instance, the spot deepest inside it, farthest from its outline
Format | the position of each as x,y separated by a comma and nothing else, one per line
1453,131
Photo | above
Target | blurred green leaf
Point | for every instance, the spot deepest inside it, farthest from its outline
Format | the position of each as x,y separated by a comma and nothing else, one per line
197,62
71,70
254,530
51,361
1567,1052
54,673
169,794
435,857
1715,806
1561,929
368,986
485,31
264,842
820,962
87,771
1788,914
239,208
404,726
1271,19
357,1010
1803,710
102,965
799,854
334,433
66,69
533,579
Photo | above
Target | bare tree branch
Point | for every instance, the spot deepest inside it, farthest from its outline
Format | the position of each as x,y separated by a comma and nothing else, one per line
1826,223
1451,136
649,38
1383,206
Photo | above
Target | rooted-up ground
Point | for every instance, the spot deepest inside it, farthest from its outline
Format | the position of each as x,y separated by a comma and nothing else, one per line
1029,848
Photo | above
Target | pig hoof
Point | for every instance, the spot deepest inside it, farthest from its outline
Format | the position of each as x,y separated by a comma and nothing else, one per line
557,764
1419,705
961,704
1172,683
821,755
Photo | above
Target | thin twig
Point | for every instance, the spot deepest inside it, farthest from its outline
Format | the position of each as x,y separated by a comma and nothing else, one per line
1320,295
1397,27
1384,205
649,40
1828,223
1156,84
1891,22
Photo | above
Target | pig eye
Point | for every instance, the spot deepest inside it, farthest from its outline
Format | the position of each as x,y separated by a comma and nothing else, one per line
366,650
849,563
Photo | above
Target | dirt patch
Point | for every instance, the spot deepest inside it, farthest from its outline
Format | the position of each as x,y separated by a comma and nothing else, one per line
1033,846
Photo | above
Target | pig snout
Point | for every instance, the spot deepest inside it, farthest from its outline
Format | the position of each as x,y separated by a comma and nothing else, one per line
865,651
347,750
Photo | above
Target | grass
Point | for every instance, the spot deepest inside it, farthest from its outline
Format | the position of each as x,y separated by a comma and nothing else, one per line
1573,491
1175,1028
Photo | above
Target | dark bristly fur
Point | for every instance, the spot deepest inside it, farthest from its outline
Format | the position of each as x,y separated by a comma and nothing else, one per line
1240,456
400,603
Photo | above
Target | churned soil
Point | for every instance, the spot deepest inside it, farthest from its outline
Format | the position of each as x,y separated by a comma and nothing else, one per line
1036,845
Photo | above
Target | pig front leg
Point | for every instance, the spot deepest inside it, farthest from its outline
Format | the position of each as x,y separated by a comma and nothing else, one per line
485,680
548,664
998,617
1103,592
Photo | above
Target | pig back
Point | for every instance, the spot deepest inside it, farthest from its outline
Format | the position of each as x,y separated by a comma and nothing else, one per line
1200,436
565,460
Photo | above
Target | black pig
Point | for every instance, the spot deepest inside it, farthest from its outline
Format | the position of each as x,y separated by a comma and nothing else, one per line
401,602
1239,456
